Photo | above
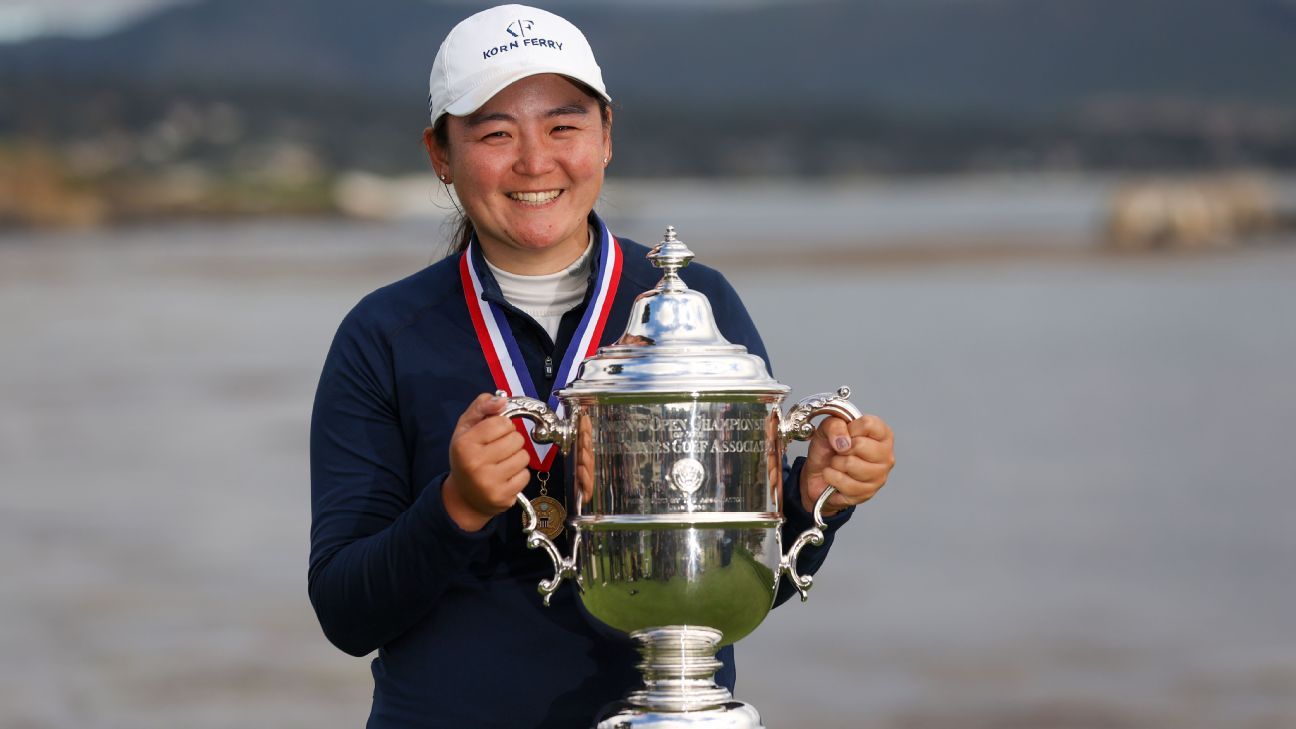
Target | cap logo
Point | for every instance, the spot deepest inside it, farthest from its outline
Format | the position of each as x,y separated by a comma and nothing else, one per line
515,42
519,28
521,31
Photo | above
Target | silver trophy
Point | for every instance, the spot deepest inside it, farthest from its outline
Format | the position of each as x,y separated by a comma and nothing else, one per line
674,439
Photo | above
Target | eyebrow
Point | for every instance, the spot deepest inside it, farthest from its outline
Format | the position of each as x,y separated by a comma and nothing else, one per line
569,110
476,120
573,109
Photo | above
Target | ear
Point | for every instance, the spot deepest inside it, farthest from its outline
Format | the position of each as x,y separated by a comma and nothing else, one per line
437,155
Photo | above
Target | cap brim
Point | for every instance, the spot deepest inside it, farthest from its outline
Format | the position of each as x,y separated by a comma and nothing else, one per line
475,99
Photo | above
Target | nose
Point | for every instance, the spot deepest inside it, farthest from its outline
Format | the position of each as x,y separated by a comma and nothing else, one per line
534,155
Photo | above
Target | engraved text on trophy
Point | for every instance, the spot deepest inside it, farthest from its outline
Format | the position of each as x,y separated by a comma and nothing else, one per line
684,456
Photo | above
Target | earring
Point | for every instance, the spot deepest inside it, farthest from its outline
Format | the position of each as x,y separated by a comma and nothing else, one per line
605,161
443,178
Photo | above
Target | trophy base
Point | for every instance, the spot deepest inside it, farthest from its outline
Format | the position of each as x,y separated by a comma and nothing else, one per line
730,715
679,691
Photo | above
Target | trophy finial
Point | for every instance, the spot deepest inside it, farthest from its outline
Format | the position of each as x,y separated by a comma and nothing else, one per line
670,255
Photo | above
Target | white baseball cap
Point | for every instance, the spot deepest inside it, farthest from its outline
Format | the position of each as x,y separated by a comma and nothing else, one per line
492,49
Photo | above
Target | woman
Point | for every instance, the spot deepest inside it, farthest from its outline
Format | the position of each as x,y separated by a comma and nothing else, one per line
417,548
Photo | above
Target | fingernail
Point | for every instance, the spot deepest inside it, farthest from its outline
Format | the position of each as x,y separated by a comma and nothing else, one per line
842,443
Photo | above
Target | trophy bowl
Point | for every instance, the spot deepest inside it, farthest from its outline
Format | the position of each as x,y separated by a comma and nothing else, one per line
675,441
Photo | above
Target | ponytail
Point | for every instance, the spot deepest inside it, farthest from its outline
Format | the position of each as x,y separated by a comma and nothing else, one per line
463,233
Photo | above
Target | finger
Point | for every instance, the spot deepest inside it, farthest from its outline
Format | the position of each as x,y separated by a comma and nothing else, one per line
486,433
820,448
851,491
870,426
863,471
873,474
836,433
483,406
494,405
518,482
517,463
468,451
865,450
505,495
504,480
834,504
497,450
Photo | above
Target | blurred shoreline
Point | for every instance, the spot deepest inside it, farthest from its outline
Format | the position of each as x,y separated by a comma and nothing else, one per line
816,222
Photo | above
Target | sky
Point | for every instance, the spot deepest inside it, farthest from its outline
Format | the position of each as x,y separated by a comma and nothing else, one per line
22,19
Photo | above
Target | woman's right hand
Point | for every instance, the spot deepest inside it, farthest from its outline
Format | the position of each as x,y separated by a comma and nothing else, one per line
488,464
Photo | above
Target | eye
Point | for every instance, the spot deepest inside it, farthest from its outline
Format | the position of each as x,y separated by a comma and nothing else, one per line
495,133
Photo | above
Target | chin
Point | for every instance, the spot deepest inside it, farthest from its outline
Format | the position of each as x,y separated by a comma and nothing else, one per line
540,242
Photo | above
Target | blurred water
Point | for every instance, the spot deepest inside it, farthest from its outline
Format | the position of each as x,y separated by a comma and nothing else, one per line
1095,505
944,212
765,217
1092,524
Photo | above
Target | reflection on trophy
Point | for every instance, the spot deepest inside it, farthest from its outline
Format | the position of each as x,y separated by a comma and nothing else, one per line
675,442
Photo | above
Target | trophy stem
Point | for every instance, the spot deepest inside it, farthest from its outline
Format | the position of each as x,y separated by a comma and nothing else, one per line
679,691
679,666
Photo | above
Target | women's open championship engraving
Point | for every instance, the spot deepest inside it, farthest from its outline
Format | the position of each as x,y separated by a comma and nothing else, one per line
675,440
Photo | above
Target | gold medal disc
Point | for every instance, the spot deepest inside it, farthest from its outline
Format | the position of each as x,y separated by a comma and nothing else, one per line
550,516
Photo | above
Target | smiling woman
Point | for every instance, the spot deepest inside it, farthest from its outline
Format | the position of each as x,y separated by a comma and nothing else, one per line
417,545
527,167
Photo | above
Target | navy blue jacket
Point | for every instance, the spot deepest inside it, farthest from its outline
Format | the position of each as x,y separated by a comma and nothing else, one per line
462,637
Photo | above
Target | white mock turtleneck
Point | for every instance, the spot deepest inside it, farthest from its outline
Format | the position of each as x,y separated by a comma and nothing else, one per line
548,296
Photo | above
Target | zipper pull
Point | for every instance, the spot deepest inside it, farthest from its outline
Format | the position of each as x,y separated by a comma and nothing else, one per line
549,367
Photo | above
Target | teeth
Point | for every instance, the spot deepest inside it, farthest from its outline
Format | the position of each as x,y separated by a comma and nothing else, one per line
535,197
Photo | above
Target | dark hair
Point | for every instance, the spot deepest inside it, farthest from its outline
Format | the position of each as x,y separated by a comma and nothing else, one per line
463,227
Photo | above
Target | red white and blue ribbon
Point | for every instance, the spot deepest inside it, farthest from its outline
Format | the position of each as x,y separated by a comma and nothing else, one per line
503,356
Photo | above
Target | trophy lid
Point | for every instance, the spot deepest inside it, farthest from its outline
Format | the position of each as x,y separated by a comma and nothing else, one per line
672,343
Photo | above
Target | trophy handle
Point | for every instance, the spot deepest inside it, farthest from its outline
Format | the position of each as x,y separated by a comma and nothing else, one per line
797,426
548,429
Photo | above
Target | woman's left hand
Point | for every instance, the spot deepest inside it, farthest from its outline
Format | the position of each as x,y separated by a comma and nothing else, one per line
855,458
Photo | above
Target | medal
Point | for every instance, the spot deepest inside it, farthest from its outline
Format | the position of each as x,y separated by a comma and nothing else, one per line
550,513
